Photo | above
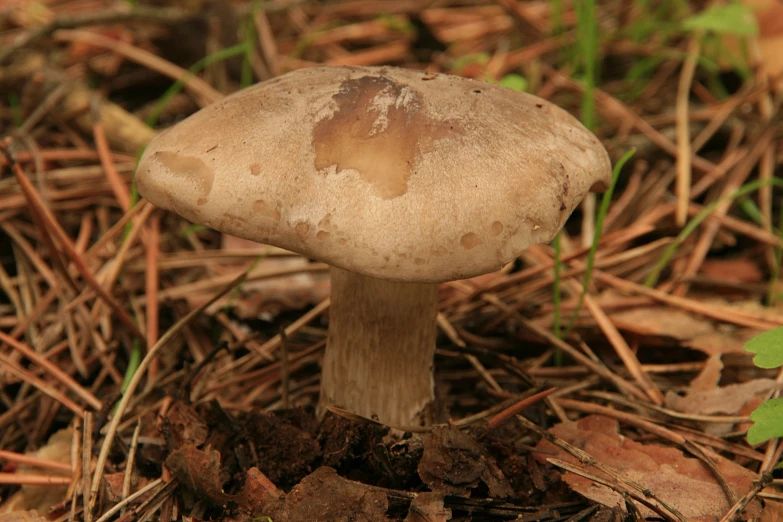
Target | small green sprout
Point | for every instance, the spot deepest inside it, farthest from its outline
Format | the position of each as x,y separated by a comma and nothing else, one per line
768,417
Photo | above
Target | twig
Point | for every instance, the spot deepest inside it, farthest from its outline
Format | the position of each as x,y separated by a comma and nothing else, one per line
739,506
51,225
129,465
683,134
87,463
127,12
507,414
19,479
588,460
50,368
124,502
136,380
618,488
28,460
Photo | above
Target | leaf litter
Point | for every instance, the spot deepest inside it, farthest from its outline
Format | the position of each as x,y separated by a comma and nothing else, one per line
223,427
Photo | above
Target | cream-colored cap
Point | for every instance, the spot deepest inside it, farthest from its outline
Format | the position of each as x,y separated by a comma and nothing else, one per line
392,173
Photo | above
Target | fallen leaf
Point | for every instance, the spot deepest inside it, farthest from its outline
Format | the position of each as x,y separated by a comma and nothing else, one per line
658,321
257,492
709,376
113,485
42,498
684,482
428,507
733,399
199,472
722,341
453,463
691,330
184,425
769,14
324,495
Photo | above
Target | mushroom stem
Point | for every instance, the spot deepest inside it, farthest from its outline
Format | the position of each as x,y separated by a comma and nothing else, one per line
380,348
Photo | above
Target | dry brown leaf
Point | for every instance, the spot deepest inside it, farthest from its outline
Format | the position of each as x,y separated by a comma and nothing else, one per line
113,485
709,376
724,341
42,498
257,492
453,463
685,483
428,507
693,331
324,495
199,472
658,321
184,425
734,399
769,14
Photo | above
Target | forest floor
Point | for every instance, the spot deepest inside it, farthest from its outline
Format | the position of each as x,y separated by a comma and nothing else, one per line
602,377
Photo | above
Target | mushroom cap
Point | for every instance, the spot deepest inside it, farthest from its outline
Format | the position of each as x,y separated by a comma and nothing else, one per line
392,173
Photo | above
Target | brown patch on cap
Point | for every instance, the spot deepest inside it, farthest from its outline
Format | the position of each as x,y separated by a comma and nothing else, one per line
470,241
380,129
255,169
267,210
497,228
188,168
302,228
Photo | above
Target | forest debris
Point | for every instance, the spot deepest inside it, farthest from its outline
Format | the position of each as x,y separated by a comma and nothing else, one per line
22,516
709,376
724,341
685,483
733,399
428,507
42,498
286,452
453,463
257,492
769,14
199,472
661,321
124,131
691,330
324,495
267,296
185,426
113,485
734,270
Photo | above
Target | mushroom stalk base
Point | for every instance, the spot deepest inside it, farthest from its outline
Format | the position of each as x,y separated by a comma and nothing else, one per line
380,348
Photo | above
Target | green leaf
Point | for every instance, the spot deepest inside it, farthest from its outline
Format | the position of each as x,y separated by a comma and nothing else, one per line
768,348
733,18
514,81
768,422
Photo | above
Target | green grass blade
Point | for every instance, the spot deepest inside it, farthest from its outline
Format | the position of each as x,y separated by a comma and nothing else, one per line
668,254
223,54
606,200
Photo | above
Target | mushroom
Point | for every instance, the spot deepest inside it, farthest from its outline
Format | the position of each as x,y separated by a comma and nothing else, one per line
399,180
